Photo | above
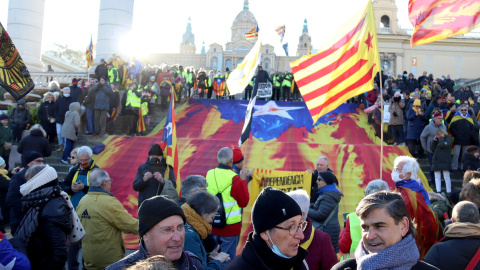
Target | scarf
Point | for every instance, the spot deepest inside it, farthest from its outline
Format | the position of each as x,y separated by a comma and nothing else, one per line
4,173
326,188
416,109
401,256
462,229
193,218
415,186
458,113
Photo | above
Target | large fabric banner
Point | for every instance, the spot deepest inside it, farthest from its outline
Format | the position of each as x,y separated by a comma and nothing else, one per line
283,180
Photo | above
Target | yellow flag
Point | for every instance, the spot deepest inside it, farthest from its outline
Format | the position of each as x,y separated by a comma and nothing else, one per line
243,74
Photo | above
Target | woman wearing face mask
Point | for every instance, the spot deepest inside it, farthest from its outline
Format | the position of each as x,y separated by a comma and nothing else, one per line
61,107
46,113
150,178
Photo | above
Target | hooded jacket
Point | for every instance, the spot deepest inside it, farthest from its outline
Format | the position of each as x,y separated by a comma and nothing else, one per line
102,96
20,116
35,142
72,122
428,134
151,187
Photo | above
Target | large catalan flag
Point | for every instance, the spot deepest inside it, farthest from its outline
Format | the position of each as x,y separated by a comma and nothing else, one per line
281,32
252,34
439,19
344,67
89,54
170,138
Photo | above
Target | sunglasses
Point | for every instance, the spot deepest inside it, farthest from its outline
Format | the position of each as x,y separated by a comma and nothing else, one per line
72,157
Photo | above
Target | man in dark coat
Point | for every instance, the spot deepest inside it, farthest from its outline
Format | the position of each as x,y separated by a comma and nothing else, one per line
470,159
46,113
88,100
150,178
101,70
75,91
321,166
262,77
20,117
461,241
277,231
102,92
14,196
36,142
462,128
388,235
61,107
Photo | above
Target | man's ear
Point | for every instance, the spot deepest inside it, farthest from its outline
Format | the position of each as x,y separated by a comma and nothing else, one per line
264,236
405,225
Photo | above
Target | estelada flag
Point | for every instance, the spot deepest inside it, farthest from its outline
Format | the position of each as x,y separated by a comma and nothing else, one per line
219,85
169,141
439,19
281,32
344,67
14,74
252,34
89,53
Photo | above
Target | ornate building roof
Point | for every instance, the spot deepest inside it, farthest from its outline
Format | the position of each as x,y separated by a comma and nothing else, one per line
188,36
244,22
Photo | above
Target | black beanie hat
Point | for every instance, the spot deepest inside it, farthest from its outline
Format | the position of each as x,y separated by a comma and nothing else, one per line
328,177
271,208
156,209
155,150
29,156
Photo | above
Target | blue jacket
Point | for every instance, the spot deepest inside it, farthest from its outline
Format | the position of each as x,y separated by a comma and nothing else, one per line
8,254
194,244
416,123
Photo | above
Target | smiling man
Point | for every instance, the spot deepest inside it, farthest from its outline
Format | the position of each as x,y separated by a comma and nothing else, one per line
388,235
277,231
161,227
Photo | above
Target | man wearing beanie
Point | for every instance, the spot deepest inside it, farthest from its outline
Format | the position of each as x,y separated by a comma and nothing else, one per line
150,178
29,158
277,232
238,161
161,228
234,192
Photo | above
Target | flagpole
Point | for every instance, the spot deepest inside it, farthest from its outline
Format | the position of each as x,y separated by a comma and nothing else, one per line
381,125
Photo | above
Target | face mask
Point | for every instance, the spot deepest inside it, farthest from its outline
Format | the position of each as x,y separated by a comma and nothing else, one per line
84,164
405,75
396,176
66,95
275,249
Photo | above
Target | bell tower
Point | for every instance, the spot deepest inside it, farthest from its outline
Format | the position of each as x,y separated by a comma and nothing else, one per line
188,41
304,42
385,12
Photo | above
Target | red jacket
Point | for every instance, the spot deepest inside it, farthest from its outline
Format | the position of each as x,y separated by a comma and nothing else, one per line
345,241
321,254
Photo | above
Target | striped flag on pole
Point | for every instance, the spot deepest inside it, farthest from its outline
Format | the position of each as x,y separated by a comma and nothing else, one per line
169,140
252,34
281,32
89,53
344,67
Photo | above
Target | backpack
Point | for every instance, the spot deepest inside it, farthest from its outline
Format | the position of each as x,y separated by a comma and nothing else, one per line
220,219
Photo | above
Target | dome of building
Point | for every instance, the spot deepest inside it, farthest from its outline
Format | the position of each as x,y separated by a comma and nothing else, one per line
243,23
245,17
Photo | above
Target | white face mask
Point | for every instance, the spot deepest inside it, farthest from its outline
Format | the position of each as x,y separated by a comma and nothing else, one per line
396,176
66,95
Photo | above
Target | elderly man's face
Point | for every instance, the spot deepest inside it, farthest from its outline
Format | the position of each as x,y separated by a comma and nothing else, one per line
380,231
286,243
438,120
84,160
321,165
166,238
399,169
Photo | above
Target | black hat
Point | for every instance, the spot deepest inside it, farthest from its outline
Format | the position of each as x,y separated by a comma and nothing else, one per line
156,209
30,156
271,208
155,150
3,116
328,177
227,69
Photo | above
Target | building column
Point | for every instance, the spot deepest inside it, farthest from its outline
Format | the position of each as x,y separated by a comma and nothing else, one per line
115,20
25,27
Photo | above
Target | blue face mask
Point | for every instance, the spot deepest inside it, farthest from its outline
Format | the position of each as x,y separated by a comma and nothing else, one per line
275,249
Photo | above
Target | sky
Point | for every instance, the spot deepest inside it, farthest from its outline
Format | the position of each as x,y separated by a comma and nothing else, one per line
158,26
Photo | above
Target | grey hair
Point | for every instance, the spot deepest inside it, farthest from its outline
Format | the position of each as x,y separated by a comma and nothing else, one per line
66,88
410,165
33,170
463,105
415,94
97,177
375,186
465,211
225,155
303,200
54,83
323,157
39,127
203,203
48,94
192,183
85,150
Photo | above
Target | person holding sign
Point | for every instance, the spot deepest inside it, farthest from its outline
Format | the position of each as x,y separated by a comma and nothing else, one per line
277,231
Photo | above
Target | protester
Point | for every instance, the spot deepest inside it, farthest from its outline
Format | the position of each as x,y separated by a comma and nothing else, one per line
429,135
73,159
191,185
70,127
396,119
35,141
321,254
4,184
442,159
470,192
199,210
324,213
75,91
351,234
150,178
6,138
388,235
61,107
461,127
161,233
131,102
20,118
462,240
234,193
102,92
321,166
87,99
46,113
11,256
416,118
101,70
470,159
103,217
157,262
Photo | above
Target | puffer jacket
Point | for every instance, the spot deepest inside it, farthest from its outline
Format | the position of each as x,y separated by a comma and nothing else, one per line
72,122
428,134
20,116
104,219
319,212
442,154
416,123
102,96
151,187
398,109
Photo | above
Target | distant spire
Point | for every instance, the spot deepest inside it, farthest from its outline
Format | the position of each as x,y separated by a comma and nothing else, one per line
245,4
188,36
305,27
203,48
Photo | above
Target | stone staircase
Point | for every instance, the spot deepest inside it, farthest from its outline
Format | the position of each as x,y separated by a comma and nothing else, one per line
456,177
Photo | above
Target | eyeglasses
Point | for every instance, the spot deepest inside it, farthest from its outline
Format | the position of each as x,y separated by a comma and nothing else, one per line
72,157
398,170
168,231
463,110
292,230
84,160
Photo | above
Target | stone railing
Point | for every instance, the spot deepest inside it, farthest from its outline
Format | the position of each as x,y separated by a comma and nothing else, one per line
385,30
41,79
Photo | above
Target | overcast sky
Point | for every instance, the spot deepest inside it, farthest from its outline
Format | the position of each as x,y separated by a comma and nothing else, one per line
159,25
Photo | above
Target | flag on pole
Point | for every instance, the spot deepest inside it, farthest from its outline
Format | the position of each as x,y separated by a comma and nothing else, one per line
344,67
281,32
309,49
169,139
252,34
285,48
89,53
242,75
439,19
14,74
248,121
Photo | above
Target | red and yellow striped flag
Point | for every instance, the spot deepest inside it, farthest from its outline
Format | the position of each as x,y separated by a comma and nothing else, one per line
252,34
439,19
344,67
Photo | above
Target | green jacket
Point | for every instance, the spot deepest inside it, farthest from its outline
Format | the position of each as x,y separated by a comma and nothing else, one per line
104,219
6,135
